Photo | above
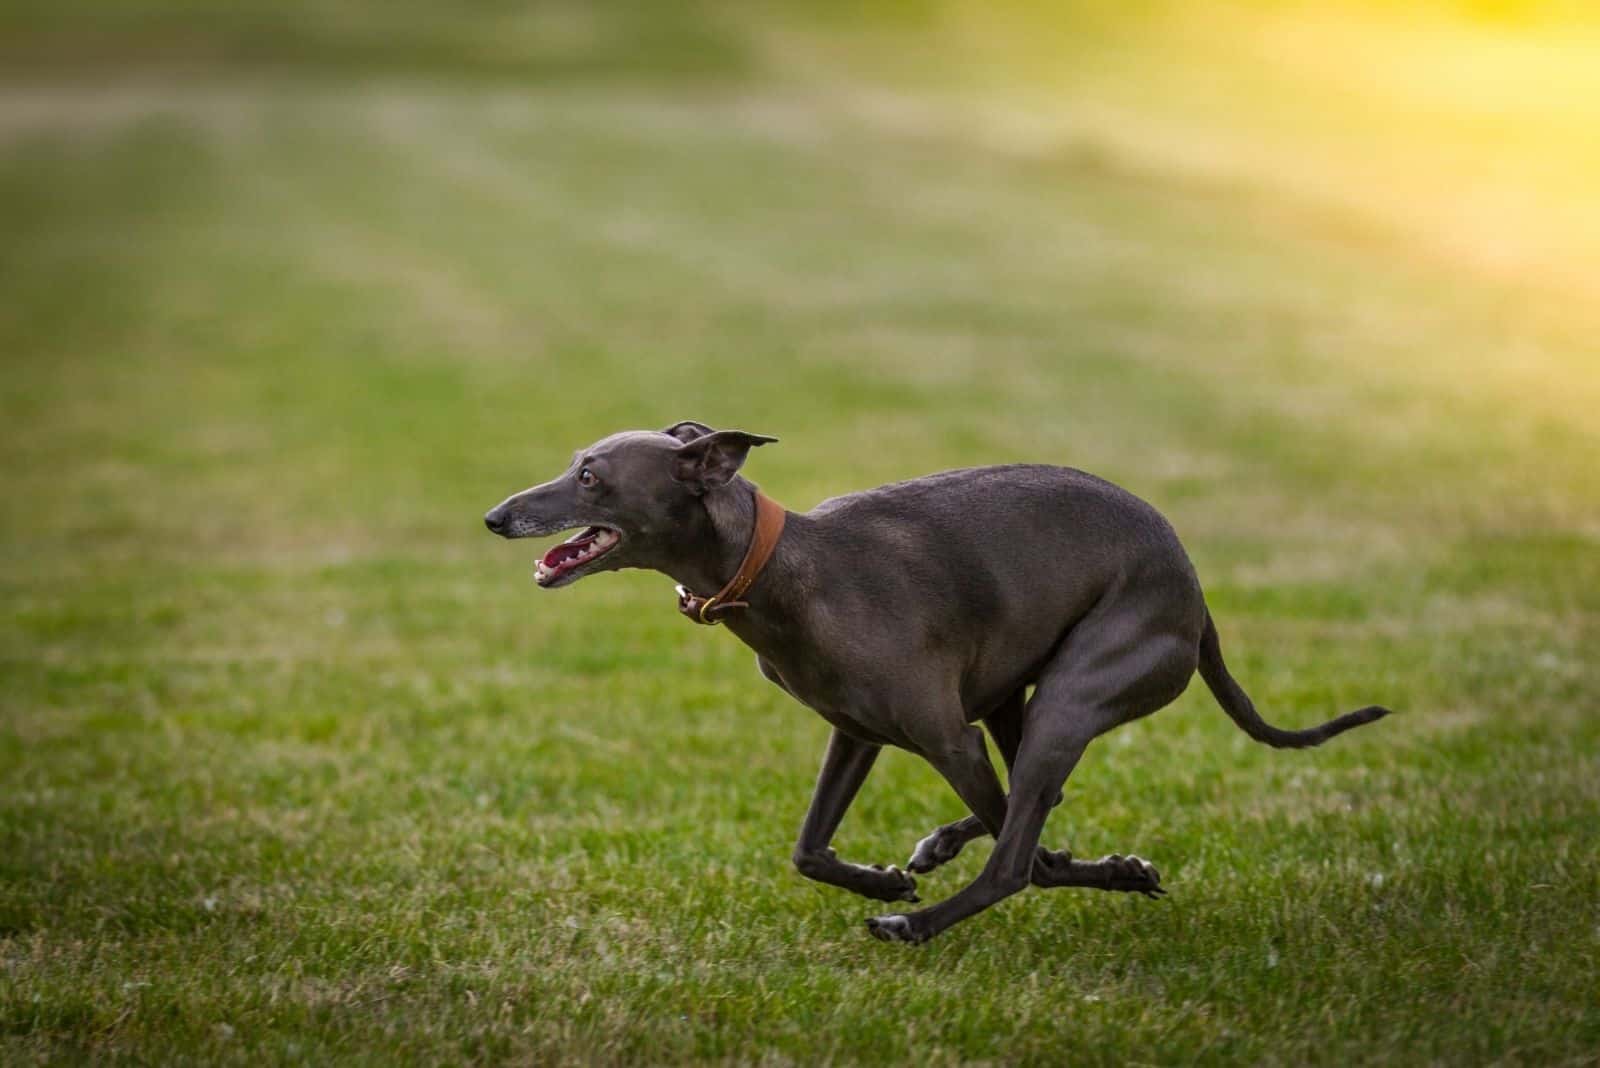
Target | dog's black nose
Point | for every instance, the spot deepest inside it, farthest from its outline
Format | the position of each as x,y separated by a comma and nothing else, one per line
495,520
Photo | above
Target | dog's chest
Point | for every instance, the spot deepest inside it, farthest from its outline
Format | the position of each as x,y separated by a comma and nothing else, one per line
829,693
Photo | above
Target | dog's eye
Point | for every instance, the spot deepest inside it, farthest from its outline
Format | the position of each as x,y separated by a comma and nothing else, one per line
587,477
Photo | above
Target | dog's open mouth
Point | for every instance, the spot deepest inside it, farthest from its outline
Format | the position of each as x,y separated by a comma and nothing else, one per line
574,553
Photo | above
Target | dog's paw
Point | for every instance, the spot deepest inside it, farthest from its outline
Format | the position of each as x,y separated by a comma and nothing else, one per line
1116,872
938,848
1134,875
894,928
897,885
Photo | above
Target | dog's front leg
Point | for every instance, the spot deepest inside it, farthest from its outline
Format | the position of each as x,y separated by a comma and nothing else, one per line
1039,775
942,846
844,768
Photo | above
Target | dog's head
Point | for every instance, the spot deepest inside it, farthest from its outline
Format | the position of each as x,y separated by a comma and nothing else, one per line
635,496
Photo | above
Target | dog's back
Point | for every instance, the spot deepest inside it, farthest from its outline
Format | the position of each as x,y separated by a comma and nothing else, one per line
1011,556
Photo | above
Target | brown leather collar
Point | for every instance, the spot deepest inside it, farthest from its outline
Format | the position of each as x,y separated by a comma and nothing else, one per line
769,527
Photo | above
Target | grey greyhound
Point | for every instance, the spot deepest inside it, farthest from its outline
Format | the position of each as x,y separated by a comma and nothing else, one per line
905,615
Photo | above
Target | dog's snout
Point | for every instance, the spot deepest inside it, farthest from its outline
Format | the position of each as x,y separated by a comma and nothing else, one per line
495,520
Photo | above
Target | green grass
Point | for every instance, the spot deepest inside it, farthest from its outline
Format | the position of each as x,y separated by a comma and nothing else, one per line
297,765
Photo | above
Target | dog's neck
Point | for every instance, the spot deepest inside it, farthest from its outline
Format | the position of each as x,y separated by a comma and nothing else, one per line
728,523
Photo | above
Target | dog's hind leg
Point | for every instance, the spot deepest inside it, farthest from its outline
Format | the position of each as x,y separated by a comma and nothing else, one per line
844,768
1150,677
1093,685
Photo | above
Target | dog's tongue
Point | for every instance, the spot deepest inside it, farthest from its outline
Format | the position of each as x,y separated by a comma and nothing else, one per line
570,548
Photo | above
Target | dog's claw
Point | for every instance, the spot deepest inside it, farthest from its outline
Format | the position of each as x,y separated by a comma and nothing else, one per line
901,886
1139,876
908,891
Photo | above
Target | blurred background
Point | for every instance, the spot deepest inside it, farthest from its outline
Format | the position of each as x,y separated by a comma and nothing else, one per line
371,242
292,292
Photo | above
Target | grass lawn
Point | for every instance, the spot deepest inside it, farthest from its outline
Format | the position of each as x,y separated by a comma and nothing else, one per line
297,765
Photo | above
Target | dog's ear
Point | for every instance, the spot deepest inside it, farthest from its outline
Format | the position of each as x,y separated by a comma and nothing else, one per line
688,430
713,459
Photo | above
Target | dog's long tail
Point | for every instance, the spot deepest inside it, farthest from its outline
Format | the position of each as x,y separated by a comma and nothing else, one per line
1237,704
